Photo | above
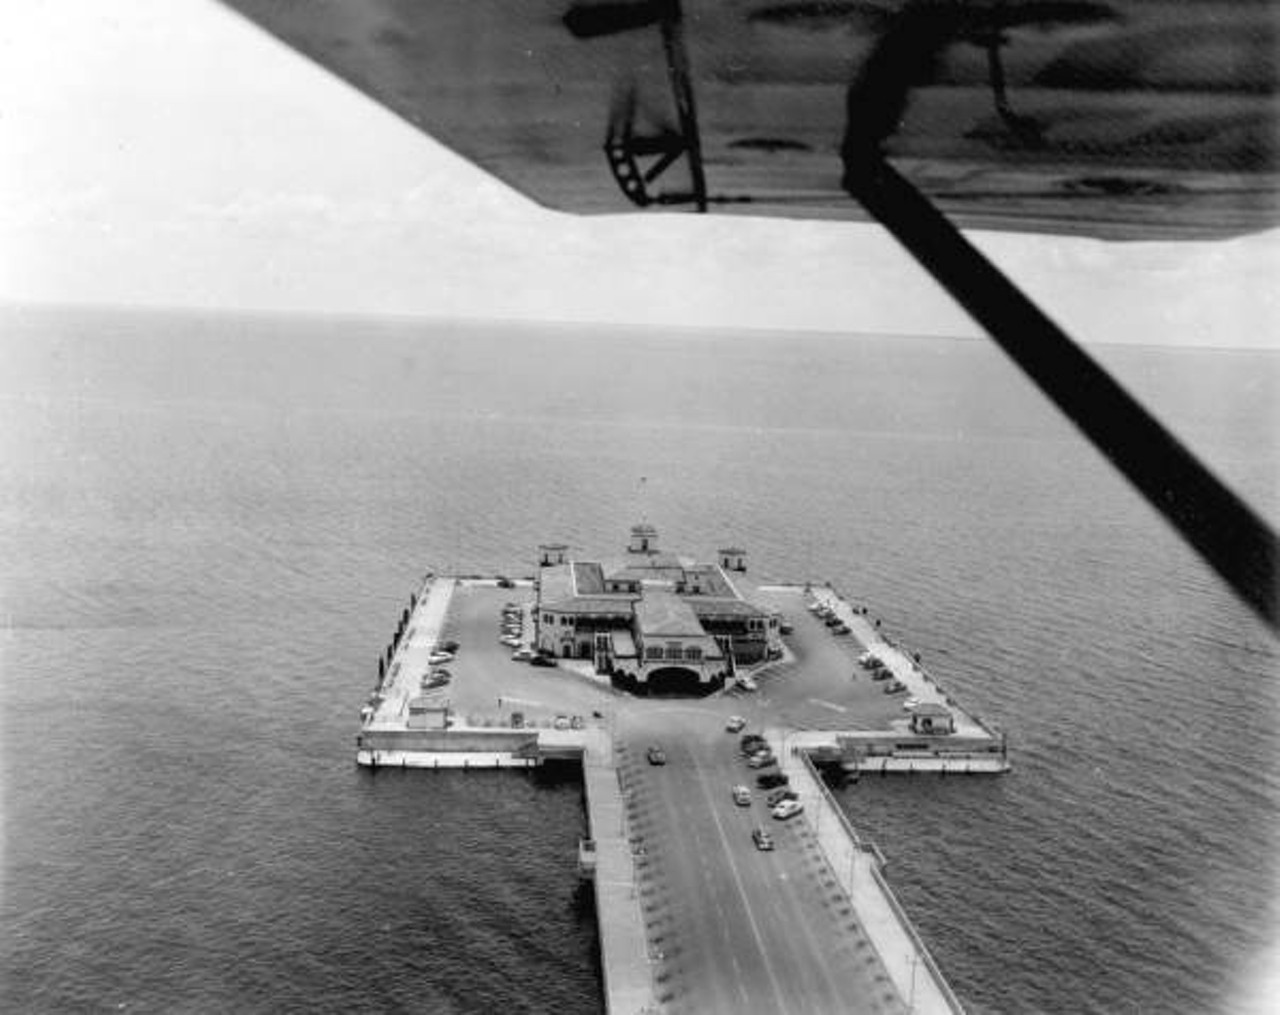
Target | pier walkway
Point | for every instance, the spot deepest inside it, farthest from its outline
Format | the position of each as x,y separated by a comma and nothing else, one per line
624,947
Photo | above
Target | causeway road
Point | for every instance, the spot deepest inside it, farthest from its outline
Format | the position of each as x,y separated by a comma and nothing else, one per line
732,928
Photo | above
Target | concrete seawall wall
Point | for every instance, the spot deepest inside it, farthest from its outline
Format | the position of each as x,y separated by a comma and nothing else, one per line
448,741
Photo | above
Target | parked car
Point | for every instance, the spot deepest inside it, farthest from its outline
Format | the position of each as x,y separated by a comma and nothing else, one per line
561,722
505,583
541,660
742,796
752,743
449,646
787,809
771,780
894,687
522,655
776,796
785,628
746,683
656,755
762,839
735,723
761,759
440,657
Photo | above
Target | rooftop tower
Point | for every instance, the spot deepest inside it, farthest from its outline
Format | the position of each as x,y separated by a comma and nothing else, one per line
550,554
733,559
644,539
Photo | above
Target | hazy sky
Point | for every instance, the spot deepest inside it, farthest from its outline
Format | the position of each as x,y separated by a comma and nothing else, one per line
166,152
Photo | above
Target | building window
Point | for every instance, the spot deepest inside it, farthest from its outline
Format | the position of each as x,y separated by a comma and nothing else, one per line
653,652
548,619
693,652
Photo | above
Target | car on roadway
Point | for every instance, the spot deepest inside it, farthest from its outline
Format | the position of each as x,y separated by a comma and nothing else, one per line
742,796
762,839
787,809
771,780
746,683
735,723
776,796
910,704
656,755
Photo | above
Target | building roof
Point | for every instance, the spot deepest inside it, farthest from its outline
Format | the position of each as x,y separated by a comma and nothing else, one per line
710,579
662,614
719,606
932,708
588,578
624,646
607,605
555,583
579,588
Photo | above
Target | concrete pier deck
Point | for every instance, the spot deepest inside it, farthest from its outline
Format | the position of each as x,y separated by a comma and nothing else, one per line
692,917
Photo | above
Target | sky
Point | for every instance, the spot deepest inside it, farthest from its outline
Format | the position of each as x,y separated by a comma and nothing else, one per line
166,152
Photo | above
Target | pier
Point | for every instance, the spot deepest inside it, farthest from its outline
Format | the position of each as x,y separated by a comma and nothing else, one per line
692,916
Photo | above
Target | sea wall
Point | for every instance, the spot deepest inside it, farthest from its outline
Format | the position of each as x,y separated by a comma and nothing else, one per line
447,741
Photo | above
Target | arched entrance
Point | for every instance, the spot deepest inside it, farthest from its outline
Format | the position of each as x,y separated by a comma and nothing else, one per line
675,681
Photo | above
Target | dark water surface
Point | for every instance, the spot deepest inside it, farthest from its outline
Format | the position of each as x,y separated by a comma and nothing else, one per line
209,526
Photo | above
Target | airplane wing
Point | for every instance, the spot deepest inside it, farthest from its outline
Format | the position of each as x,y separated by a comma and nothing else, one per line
1123,119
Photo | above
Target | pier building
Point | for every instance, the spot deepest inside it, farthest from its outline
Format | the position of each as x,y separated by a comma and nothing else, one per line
652,621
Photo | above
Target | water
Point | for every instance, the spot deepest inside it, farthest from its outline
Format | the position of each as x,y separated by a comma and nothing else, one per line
210,525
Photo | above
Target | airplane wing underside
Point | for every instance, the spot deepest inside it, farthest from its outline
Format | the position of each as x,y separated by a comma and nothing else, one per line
1133,118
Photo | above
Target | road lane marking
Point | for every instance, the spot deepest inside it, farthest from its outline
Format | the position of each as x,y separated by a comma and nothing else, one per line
827,704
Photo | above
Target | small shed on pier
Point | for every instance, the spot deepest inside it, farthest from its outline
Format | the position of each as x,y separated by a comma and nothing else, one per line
932,718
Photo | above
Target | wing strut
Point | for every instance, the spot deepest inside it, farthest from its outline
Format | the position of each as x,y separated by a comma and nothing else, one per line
1226,532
